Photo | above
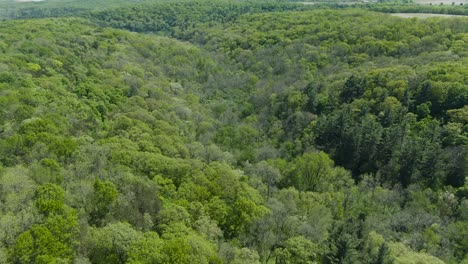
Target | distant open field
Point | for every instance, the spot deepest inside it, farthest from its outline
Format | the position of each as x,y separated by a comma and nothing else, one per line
423,15
329,2
443,2
421,2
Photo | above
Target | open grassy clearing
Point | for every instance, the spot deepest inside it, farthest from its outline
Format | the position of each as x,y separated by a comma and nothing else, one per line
423,15
329,2
441,2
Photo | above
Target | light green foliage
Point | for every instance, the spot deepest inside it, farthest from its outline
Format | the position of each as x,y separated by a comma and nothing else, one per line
105,195
146,250
234,255
50,198
377,250
173,214
33,67
50,242
458,234
47,171
18,190
264,136
112,243
64,226
297,250
138,202
404,255
459,115
3,256
208,228
316,217
310,170
268,174
192,249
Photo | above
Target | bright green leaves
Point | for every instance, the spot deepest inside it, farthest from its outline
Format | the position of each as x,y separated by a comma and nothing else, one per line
298,250
105,195
38,245
50,198
148,249
24,248
172,214
129,124
315,172
240,204
120,243
310,170
39,137
458,234
377,250
403,255
244,138
245,210
33,67
65,228
111,244
53,241
191,249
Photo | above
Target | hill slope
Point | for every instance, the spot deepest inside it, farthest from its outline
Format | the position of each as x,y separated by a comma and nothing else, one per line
292,137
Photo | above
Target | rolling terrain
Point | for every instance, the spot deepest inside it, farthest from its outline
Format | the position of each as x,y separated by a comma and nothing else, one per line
232,132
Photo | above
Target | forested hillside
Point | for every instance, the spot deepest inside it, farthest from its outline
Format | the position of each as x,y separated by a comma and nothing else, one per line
233,133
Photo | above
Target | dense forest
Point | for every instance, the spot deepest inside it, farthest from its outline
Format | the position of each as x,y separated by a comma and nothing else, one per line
232,132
